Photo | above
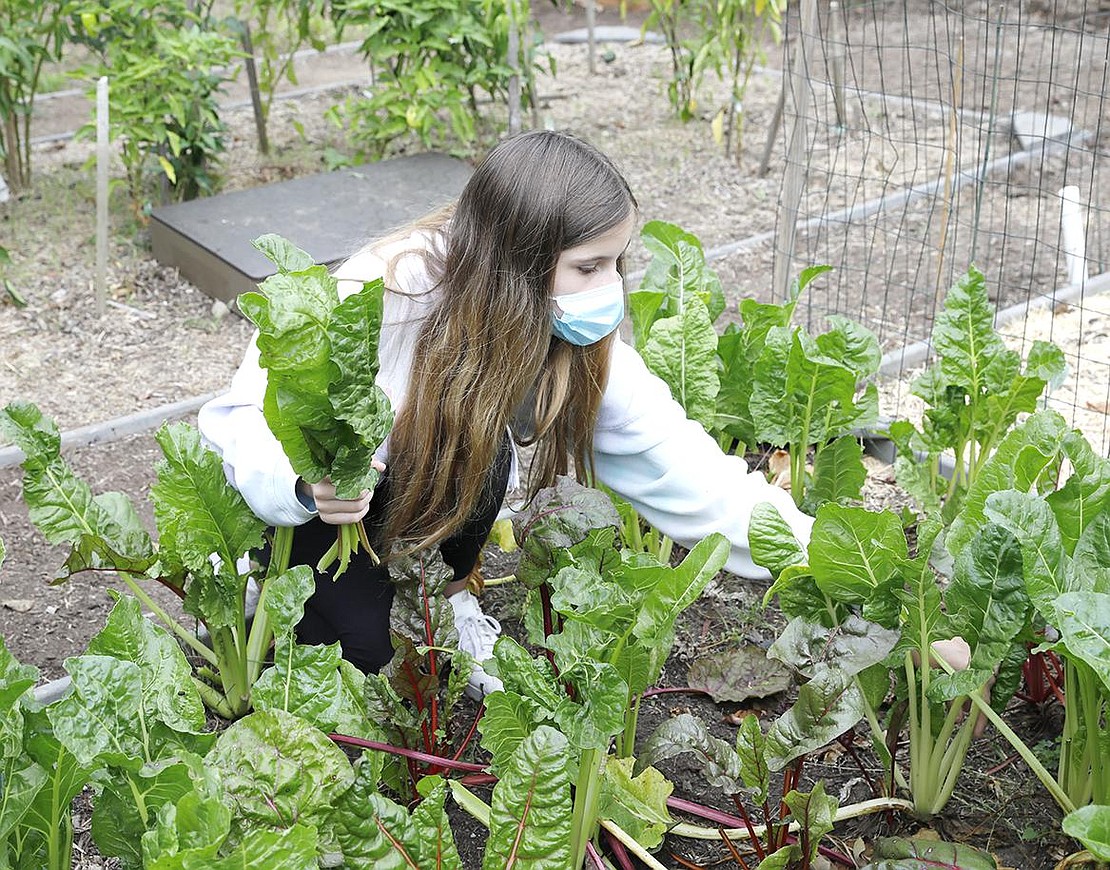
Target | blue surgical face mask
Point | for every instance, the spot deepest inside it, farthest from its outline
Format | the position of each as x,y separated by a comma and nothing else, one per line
587,317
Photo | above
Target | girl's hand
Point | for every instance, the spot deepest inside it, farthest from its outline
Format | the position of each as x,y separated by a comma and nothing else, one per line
340,511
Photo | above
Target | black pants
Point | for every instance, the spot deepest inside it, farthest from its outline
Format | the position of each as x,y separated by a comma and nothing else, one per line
354,609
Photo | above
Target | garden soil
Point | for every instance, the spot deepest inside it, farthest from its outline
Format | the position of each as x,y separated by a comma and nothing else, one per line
162,341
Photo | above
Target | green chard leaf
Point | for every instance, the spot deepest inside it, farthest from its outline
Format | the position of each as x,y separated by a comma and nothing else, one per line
682,351
316,684
198,512
277,770
103,533
772,541
719,763
894,853
374,832
1084,622
859,557
1090,825
838,473
638,804
168,694
530,815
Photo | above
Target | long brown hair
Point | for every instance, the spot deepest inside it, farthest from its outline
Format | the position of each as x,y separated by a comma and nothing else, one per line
486,350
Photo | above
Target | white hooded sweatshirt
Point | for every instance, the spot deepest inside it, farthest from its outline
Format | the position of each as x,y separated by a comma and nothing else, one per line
645,449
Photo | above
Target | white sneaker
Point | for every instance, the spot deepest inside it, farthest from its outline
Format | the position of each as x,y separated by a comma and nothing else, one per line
477,634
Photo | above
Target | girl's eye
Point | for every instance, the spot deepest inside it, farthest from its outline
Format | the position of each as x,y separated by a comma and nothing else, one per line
588,270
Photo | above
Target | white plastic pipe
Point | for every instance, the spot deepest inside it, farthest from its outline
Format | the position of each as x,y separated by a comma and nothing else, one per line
1074,236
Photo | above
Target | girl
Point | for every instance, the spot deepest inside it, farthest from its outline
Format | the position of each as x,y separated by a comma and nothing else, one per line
500,326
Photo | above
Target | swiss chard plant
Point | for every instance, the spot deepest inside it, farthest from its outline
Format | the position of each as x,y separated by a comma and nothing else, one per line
321,358
806,393
859,579
415,696
746,768
204,528
974,393
762,381
1049,490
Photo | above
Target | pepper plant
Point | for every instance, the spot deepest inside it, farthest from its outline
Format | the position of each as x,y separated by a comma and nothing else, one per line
429,60
165,68
34,32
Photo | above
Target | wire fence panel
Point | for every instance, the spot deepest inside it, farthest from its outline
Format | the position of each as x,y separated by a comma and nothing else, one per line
920,137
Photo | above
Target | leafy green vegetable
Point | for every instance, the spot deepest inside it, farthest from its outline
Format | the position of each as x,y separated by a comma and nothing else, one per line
975,393
321,356
1091,826
898,854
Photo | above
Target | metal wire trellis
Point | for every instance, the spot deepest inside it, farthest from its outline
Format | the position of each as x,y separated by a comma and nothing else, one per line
922,136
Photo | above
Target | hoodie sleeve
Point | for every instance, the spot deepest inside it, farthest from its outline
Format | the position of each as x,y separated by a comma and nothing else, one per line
672,472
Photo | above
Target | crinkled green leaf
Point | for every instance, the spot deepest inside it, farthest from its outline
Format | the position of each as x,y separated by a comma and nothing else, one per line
678,270
838,473
215,595
1080,502
292,848
21,781
15,679
530,815
852,344
772,542
316,684
986,598
1018,463
277,770
1047,362
100,720
198,512
827,706
894,853
963,333
282,253
1089,569
1090,825
508,720
1030,520
118,822
558,517
739,673
168,693
187,833
801,396
1083,619
858,557
50,810
374,833
284,597
678,588
798,595
353,329
638,804
596,712
62,506
682,351
685,733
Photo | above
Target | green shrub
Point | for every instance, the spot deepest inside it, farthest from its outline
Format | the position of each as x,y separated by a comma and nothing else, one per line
165,70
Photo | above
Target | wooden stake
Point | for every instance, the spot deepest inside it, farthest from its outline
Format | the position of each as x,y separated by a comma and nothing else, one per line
102,156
